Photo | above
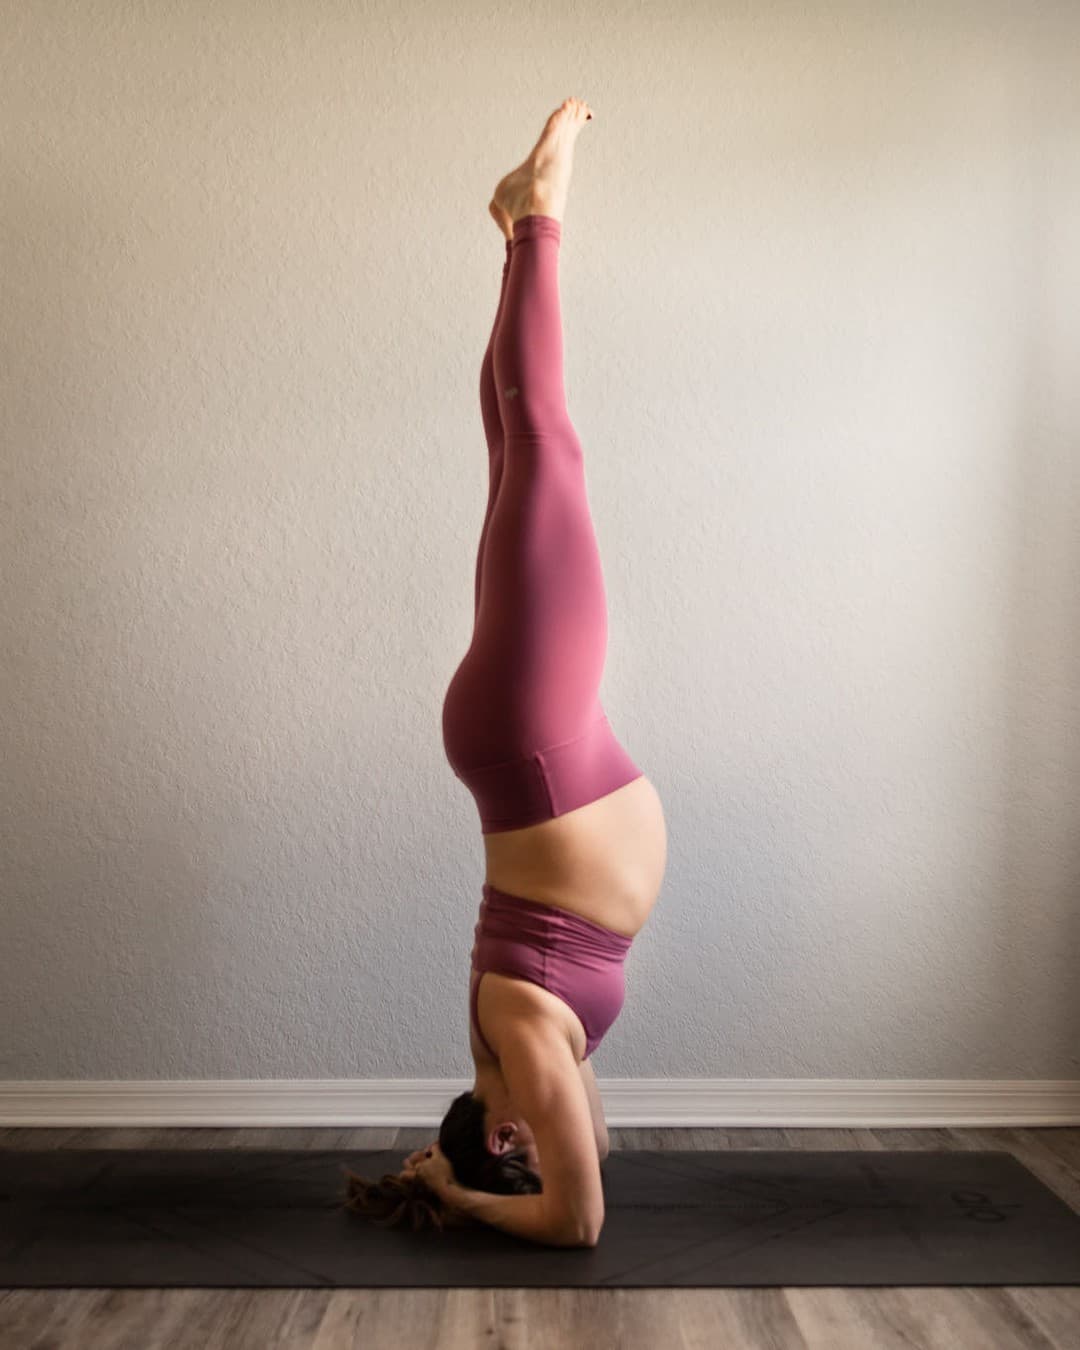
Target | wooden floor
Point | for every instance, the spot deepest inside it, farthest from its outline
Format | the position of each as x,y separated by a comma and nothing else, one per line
536,1319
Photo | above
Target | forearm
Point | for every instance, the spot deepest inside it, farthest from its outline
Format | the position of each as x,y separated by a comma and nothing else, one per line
523,1215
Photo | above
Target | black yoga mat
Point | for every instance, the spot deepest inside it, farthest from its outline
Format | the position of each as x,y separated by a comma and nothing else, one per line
258,1218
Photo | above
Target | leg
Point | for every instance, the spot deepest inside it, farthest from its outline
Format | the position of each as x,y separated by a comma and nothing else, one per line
529,340
523,726
531,677
493,430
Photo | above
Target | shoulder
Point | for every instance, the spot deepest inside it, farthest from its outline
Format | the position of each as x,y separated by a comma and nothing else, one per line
506,1002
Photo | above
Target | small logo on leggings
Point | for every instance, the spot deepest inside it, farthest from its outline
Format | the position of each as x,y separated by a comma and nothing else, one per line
511,392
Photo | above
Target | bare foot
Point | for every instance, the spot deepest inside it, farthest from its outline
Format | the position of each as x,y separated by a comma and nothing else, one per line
500,217
539,185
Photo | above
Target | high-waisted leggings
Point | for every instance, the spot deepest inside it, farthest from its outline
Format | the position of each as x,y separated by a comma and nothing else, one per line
523,726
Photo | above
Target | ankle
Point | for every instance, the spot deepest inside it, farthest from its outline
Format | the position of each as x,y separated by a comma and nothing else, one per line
537,203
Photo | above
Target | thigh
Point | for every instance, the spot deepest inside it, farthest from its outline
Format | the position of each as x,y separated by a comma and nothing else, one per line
531,677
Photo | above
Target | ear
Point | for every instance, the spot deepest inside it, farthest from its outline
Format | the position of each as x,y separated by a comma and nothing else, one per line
501,1138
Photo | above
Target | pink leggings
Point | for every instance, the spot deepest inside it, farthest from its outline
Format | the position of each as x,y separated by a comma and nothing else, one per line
523,726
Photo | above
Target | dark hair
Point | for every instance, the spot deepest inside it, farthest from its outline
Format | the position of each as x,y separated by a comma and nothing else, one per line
395,1200
463,1139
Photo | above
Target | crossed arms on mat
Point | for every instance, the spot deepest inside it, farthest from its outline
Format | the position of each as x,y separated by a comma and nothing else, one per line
561,1104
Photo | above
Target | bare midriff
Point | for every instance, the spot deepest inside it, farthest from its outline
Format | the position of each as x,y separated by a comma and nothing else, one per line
604,861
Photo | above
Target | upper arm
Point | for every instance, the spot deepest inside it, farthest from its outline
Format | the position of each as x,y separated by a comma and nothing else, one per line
545,1083
596,1108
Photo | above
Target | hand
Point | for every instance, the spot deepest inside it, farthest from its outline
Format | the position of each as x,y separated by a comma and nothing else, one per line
411,1161
434,1169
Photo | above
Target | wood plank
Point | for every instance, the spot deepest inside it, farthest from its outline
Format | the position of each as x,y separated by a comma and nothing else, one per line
898,1319
196,1137
1055,1310
39,1137
538,1319
29,1316
554,1319
409,1138
736,1319
1064,1143
390,1319
838,1140
930,1139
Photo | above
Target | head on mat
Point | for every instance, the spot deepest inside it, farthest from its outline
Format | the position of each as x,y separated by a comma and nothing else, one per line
497,1158
573,831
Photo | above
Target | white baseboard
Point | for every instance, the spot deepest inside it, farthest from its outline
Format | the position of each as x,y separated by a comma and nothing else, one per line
668,1102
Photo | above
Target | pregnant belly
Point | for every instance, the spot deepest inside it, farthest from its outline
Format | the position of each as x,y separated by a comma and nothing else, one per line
604,861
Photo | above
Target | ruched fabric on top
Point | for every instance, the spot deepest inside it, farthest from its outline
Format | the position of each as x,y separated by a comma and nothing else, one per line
579,961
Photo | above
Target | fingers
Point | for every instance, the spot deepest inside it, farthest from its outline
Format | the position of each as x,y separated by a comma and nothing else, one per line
419,1153
424,1155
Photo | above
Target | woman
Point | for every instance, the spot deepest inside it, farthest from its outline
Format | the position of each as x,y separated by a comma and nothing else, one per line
574,834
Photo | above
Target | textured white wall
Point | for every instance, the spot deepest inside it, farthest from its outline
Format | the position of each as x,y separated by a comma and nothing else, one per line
821,291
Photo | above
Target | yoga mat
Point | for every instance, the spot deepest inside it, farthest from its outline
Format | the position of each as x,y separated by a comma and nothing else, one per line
121,1218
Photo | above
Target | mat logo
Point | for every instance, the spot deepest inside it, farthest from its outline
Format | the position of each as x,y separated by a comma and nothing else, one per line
512,392
980,1207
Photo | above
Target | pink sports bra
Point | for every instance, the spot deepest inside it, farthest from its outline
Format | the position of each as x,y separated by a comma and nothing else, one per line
579,961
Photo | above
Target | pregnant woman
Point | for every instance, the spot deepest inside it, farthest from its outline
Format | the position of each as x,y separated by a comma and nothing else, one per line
574,834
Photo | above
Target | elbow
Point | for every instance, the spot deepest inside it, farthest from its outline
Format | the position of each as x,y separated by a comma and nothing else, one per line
577,1232
589,1234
